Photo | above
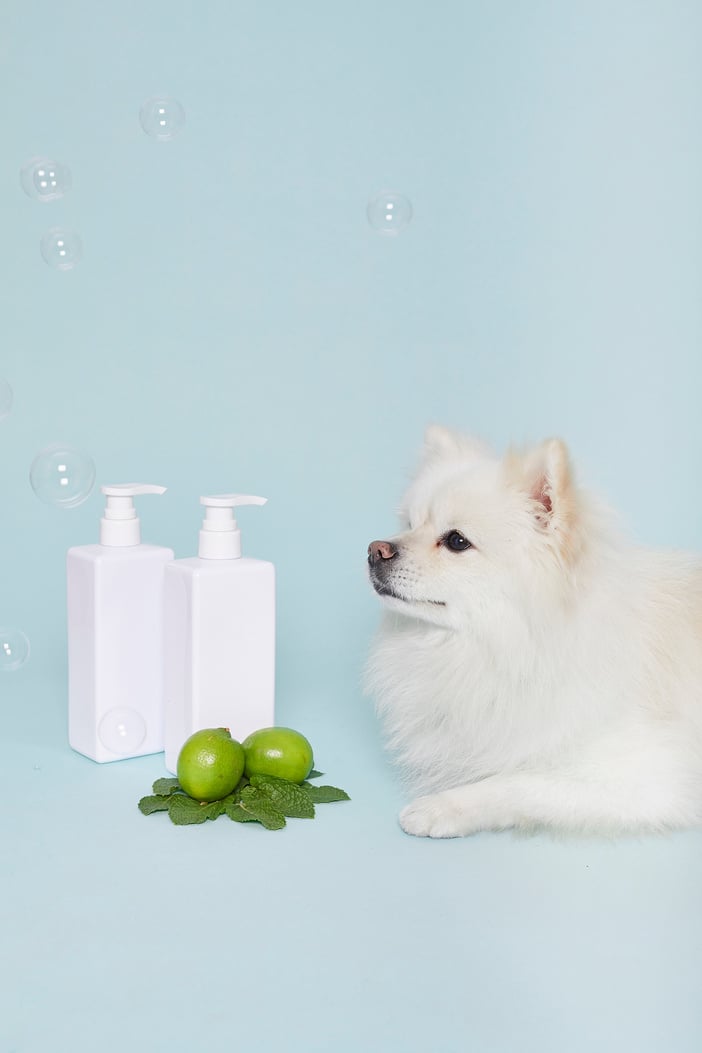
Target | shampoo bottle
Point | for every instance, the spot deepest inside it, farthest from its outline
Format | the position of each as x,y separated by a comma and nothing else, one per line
115,635
219,634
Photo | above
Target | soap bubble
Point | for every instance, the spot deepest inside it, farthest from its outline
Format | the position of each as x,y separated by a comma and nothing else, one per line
61,249
389,213
162,118
14,650
45,180
5,398
122,730
62,476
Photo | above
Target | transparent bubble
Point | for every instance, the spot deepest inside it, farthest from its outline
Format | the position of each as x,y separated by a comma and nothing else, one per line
62,476
389,213
5,398
162,118
45,180
61,249
122,730
14,650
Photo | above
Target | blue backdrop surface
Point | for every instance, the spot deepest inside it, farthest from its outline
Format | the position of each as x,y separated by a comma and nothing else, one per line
235,323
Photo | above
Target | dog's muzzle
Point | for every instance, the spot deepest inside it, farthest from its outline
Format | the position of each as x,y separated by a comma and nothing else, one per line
379,551
380,557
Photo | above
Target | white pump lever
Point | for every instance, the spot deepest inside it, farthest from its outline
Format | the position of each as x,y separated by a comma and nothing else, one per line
119,525
220,537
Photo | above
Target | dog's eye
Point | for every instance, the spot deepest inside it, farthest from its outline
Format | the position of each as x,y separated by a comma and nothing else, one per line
455,541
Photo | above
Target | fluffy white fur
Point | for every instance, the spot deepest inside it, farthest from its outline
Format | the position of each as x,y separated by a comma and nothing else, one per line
548,676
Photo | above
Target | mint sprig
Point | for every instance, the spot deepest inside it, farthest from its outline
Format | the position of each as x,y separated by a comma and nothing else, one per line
289,798
147,805
260,807
165,787
263,799
184,810
325,794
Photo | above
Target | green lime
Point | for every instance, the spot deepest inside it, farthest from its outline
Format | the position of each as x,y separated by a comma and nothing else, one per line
278,751
210,764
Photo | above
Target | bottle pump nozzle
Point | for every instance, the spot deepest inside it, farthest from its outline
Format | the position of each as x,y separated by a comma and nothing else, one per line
119,527
220,538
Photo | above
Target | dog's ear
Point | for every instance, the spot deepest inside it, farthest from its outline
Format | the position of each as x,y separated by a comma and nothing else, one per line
545,475
550,477
445,442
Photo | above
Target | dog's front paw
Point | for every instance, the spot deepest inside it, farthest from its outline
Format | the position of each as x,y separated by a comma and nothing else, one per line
439,815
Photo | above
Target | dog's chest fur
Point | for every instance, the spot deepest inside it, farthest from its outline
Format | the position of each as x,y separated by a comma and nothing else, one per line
453,712
454,709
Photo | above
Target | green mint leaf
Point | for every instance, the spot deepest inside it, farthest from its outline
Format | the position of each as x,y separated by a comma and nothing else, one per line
212,809
184,810
290,799
236,812
232,807
314,774
260,807
326,794
165,787
147,805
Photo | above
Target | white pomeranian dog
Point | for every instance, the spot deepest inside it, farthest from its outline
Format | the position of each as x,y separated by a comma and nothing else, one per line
533,669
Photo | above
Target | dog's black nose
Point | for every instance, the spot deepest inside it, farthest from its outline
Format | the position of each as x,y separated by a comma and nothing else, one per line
379,550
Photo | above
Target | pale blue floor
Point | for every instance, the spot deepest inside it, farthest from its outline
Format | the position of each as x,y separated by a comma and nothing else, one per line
124,932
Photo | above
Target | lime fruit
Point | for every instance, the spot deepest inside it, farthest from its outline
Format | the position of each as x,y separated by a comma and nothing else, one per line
210,764
278,751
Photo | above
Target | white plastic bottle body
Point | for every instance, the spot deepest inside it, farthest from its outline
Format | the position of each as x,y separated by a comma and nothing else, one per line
115,650
219,648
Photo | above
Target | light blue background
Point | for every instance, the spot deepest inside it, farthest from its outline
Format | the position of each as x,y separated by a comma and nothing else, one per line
236,324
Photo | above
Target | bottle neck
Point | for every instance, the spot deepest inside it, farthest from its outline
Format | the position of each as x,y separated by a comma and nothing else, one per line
120,533
219,544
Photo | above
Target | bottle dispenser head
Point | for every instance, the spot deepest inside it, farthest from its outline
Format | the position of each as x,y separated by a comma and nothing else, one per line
220,538
119,526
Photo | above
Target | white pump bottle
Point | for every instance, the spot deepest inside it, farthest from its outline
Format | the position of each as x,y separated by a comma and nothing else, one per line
115,635
219,634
